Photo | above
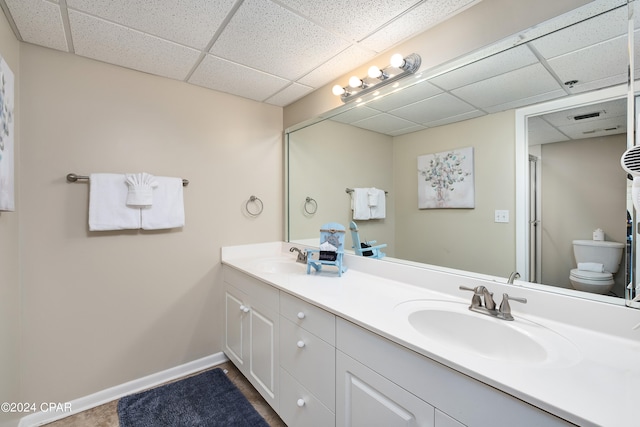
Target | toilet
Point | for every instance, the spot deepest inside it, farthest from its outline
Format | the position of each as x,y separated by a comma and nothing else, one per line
596,251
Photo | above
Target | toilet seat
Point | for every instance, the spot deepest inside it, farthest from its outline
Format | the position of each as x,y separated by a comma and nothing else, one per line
591,281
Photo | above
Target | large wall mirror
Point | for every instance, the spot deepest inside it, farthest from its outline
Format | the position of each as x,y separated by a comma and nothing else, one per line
473,104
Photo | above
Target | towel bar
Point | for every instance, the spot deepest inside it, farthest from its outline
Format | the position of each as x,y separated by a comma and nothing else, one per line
350,190
72,177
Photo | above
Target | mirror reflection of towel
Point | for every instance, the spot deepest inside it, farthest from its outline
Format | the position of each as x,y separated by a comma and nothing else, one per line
379,210
360,198
373,196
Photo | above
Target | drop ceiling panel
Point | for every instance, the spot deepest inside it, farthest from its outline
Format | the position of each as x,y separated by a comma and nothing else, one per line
587,33
455,118
577,130
541,132
438,107
292,92
239,80
356,114
115,44
522,83
270,38
39,22
191,23
594,63
415,21
383,123
606,109
402,98
339,65
343,17
521,102
492,66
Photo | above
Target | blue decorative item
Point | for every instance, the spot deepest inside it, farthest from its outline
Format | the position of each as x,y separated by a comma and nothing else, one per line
331,251
369,248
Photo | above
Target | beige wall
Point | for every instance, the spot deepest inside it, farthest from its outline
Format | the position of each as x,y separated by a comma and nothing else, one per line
583,188
9,243
329,157
103,308
467,239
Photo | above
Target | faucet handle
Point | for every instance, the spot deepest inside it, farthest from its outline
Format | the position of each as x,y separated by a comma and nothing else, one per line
476,301
504,312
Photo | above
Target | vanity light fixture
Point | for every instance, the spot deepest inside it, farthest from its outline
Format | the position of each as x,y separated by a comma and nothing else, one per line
376,78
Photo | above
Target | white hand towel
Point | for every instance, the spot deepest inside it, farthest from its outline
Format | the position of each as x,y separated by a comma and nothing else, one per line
167,210
361,209
141,187
373,195
380,210
107,203
591,266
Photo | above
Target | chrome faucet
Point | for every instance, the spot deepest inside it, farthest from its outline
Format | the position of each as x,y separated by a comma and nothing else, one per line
482,302
513,276
302,255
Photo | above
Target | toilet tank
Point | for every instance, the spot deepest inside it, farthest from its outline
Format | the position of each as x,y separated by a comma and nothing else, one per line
603,252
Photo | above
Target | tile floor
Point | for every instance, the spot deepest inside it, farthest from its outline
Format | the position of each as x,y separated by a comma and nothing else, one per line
106,415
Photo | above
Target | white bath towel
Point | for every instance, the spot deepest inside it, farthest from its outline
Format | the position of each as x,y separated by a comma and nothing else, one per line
360,203
167,210
379,211
591,266
107,203
373,196
141,187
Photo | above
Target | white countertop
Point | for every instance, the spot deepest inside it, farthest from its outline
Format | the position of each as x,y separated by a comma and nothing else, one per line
596,384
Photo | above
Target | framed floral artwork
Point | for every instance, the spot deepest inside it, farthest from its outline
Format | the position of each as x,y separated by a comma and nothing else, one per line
7,198
445,180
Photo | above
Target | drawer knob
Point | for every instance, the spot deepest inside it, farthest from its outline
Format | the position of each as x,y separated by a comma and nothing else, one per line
244,309
300,402
301,315
300,344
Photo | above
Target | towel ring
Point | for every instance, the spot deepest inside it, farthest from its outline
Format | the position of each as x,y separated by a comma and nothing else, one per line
255,200
309,201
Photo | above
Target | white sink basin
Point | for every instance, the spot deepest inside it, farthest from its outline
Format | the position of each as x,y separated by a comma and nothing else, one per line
453,325
280,266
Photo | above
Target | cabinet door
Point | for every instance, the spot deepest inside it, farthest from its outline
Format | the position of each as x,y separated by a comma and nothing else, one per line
236,336
364,398
263,352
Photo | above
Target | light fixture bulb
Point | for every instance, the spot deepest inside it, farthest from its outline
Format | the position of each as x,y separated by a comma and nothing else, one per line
374,72
355,81
397,60
337,90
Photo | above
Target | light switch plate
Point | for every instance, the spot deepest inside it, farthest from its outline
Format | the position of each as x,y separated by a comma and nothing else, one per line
502,216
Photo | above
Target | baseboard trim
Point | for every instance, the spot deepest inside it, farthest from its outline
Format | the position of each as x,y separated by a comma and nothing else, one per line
116,392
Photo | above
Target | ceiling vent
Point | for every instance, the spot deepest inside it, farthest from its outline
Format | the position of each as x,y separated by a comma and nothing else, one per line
586,116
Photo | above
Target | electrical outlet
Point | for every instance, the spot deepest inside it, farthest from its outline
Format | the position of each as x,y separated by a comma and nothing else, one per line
502,216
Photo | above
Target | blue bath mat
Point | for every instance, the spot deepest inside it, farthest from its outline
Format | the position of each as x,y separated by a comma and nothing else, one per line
209,399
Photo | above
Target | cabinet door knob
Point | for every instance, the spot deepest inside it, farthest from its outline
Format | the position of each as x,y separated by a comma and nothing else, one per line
300,344
300,402
244,309
301,315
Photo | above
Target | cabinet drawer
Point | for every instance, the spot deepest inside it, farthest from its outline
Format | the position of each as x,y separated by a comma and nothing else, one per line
312,318
261,293
299,407
310,360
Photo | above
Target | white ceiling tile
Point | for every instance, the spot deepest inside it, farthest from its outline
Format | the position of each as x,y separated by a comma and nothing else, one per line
421,18
435,108
410,129
522,83
340,64
402,98
266,36
383,123
344,17
39,22
593,63
456,118
353,115
607,109
541,132
494,65
586,33
579,130
115,44
289,94
522,102
225,76
189,22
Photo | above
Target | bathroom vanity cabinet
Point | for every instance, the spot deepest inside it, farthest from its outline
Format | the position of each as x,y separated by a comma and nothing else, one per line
318,369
